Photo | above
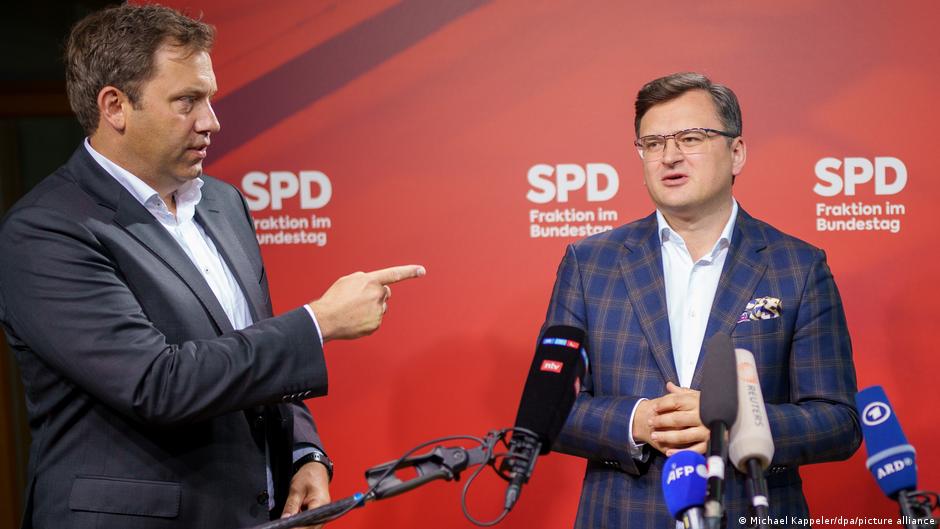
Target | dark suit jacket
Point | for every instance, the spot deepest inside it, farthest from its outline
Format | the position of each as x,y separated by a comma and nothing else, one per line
612,285
146,409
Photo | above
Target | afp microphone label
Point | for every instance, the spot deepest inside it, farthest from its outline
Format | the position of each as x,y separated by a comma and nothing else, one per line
678,472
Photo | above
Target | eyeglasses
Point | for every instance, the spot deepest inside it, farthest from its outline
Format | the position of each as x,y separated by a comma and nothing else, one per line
688,141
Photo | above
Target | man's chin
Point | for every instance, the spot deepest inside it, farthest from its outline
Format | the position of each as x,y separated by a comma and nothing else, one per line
188,174
193,171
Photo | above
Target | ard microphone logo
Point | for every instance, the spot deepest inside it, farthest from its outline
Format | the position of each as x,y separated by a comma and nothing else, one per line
552,366
894,466
875,413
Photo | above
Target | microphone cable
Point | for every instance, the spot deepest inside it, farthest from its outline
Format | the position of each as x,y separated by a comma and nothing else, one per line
391,469
491,457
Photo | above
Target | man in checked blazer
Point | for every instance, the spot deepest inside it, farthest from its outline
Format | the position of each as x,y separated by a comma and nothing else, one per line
160,389
650,292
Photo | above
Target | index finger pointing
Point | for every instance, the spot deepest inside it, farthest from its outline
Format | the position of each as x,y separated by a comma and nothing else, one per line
394,274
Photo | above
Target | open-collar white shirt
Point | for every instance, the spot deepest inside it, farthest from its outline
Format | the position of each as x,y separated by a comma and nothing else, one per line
690,291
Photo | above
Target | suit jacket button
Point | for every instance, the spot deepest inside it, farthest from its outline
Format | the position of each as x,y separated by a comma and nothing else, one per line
259,422
263,498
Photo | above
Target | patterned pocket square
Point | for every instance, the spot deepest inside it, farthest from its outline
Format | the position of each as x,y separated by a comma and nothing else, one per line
764,308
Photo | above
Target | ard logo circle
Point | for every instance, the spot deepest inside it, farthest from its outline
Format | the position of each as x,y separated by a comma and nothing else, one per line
875,413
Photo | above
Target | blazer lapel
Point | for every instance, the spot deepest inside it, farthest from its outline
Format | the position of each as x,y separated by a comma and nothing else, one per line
141,225
743,270
642,270
150,233
218,228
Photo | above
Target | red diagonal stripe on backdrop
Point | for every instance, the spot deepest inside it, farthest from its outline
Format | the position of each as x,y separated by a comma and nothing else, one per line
330,66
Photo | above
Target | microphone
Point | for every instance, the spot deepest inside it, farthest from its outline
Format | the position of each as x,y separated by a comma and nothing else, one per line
549,394
718,408
752,447
684,484
891,459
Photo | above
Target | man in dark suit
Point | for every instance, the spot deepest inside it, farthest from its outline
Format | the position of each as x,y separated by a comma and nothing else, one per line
650,292
161,392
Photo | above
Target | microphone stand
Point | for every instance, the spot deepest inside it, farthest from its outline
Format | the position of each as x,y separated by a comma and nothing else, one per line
756,487
917,509
321,514
718,454
440,463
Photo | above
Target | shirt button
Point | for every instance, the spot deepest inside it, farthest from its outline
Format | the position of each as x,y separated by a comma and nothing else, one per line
263,498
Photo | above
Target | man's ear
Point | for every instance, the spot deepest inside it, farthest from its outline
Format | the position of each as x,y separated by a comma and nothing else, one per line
738,155
112,105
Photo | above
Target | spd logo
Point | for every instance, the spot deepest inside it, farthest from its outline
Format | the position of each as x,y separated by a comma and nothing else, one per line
843,176
875,413
556,182
263,190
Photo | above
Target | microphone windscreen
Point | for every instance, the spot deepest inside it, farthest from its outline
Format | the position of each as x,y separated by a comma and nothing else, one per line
551,386
750,434
719,398
890,457
684,481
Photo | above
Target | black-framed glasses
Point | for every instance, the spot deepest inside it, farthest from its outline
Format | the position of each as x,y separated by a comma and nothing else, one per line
688,141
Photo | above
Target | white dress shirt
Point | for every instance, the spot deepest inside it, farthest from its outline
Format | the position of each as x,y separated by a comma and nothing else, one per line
690,290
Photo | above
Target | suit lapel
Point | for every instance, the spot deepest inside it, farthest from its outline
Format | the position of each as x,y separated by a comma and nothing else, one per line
141,225
217,227
743,270
150,233
642,270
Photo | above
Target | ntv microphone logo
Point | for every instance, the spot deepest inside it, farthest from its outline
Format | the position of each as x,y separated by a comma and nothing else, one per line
552,366
875,413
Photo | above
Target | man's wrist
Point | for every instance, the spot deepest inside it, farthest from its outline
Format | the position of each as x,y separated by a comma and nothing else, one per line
321,315
639,430
315,457
316,323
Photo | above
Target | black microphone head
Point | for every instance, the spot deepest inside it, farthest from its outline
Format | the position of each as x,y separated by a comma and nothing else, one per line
719,399
551,386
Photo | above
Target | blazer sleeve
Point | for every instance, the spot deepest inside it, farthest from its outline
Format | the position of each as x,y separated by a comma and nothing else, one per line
66,302
304,428
820,422
598,426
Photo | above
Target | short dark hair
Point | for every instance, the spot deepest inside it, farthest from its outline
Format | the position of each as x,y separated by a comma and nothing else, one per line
116,47
672,86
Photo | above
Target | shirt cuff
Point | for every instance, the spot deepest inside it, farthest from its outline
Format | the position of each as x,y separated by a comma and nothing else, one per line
315,324
304,449
636,450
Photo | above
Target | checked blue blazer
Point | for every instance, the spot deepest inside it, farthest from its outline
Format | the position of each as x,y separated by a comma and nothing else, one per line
612,285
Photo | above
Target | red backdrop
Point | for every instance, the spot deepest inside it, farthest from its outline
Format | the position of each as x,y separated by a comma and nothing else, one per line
422,120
